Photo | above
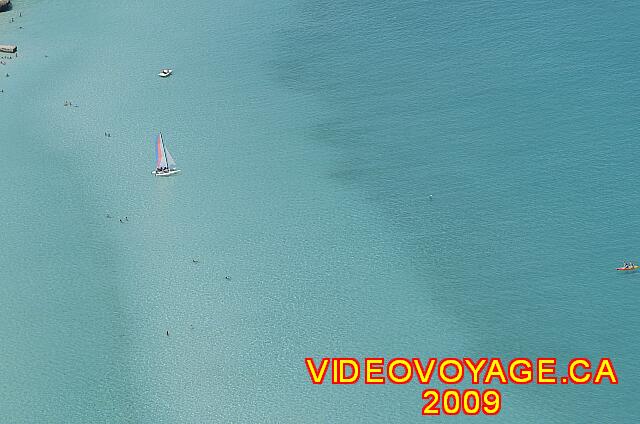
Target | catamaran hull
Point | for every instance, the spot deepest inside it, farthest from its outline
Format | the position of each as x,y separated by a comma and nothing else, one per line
629,268
166,174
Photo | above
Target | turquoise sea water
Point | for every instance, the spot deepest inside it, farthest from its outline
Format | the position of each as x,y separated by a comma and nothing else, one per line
310,135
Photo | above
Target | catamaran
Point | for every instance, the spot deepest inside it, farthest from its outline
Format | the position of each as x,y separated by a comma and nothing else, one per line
628,266
165,165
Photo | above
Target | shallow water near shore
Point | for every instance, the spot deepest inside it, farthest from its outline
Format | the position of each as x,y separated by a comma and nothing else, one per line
310,136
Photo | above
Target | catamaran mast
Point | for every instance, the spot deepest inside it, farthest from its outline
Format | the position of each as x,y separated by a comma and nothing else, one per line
165,152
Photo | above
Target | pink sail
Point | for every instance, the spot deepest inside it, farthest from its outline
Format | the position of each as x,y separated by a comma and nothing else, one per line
161,161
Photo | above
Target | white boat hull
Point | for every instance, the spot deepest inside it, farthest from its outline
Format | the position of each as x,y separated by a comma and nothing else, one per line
166,173
165,74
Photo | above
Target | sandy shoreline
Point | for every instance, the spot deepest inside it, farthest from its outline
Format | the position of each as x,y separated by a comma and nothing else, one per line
8,46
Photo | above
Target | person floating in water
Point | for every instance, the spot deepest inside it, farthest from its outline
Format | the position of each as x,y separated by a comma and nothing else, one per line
167,332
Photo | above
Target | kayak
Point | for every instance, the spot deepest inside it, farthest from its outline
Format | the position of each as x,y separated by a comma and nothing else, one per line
628,268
